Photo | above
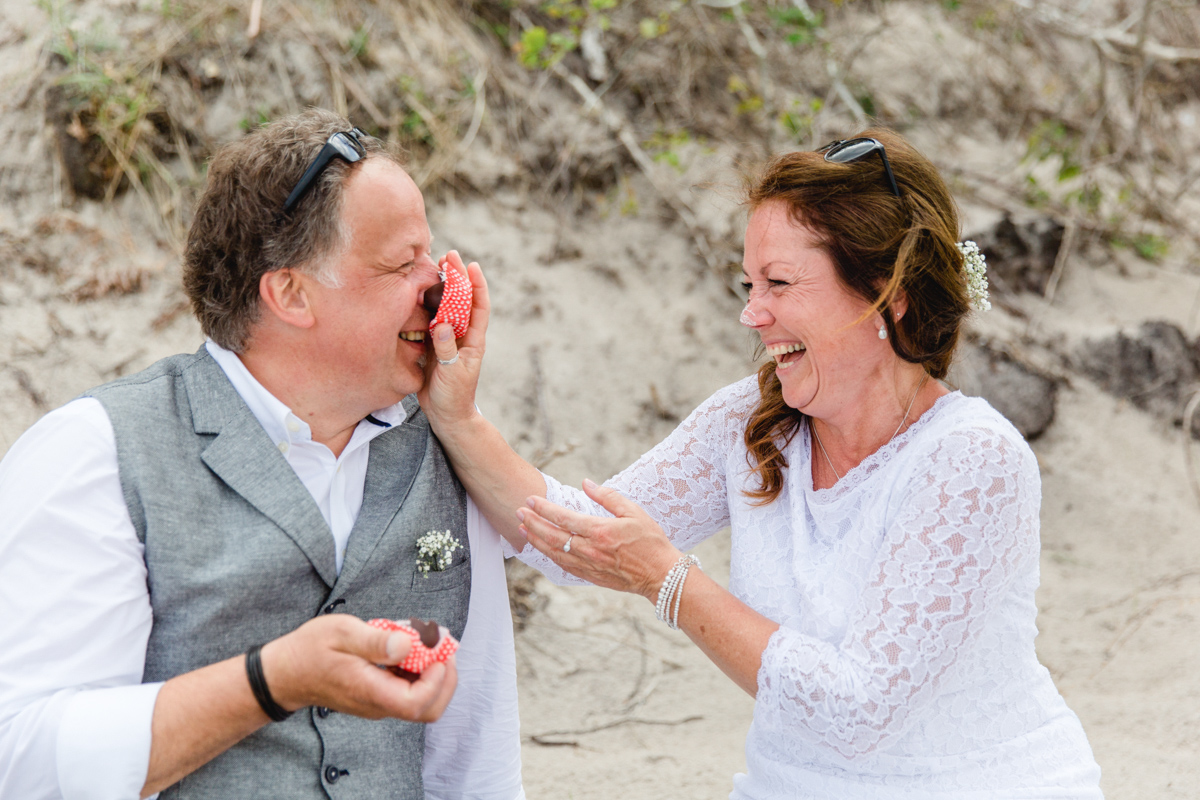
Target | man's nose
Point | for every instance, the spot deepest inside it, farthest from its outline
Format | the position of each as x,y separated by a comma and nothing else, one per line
428,269
755,315
431,288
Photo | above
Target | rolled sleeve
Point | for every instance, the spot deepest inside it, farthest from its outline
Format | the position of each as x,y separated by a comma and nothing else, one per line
103,747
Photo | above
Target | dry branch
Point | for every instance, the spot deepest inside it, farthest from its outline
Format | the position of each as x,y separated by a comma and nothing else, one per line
31,391
541,738
255,19
338,76
1106,38
624,133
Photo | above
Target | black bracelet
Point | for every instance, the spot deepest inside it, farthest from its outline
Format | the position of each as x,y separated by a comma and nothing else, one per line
258,685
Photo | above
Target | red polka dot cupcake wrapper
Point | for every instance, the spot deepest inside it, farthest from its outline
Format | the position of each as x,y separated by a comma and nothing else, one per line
419,656
455,307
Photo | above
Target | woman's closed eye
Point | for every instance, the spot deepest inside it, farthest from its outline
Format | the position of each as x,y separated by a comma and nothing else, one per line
748,287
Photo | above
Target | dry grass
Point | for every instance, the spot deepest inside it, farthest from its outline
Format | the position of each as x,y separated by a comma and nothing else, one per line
571,96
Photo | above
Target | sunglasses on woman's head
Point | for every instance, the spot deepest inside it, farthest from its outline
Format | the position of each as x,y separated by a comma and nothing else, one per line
844,151
344,145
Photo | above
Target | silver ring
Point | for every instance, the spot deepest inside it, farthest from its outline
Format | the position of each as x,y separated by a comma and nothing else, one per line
567,544
451,361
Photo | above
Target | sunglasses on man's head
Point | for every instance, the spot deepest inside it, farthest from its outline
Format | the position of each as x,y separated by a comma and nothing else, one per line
346,146
844,151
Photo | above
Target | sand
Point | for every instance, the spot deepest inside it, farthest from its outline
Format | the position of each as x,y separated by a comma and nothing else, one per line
607,331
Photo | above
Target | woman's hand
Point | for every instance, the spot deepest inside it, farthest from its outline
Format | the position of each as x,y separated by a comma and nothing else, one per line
628,552
448,396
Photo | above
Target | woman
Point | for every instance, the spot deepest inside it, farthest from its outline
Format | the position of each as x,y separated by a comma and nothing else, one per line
884,528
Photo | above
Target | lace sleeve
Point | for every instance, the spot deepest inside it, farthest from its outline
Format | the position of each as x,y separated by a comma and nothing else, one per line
966,528
680,483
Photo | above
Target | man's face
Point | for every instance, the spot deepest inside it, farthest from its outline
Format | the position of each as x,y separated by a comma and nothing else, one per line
384,272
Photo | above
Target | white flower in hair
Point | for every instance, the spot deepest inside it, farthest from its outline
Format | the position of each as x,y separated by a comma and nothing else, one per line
976,270
435,551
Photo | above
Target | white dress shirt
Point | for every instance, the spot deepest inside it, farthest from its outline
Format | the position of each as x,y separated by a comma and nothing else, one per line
74,715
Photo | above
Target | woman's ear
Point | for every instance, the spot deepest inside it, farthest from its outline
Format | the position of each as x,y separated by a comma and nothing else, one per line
899,306
284,292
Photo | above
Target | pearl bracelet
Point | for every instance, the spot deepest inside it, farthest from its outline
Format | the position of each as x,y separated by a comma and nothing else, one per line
672,588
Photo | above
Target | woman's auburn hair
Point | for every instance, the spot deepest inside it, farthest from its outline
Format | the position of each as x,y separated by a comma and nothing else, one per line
881,246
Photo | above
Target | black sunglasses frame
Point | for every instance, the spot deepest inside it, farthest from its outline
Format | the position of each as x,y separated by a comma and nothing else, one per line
833,149
346,145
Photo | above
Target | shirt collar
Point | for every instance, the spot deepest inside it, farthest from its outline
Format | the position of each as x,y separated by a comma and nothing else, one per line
276,418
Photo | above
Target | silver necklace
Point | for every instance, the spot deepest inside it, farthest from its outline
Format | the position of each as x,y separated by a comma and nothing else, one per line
903,419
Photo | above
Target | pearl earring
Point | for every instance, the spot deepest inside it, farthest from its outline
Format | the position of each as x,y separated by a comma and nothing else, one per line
882,333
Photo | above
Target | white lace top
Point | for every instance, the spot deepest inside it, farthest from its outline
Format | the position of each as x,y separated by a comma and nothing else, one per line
904,665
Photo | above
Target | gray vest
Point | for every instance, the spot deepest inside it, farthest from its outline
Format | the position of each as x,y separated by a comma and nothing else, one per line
238,554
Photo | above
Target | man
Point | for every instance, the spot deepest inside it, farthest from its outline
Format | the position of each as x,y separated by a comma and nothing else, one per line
267,490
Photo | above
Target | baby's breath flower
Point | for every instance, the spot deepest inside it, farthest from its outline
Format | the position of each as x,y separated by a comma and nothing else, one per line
975,268
435,551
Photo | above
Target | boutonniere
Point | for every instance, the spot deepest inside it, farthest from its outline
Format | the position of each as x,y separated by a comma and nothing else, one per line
435,551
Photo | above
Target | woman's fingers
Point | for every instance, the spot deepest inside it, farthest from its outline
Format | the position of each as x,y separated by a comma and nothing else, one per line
444,348
542,533
628,552
452,366
564,518
611,500
481,306
480,302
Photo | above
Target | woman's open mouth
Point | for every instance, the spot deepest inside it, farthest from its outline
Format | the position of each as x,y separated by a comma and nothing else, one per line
787,353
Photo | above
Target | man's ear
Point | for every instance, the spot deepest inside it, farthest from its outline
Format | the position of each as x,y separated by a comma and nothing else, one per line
284,292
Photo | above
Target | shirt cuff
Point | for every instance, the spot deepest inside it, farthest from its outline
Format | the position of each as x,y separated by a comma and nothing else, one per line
104,742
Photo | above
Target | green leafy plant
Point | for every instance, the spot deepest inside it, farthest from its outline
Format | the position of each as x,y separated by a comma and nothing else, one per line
539,49
797,26
357,46
748,101
664,147
261,117
799,119
1052,139
1149,246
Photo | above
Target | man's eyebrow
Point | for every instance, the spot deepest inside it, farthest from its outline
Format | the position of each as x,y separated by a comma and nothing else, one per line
418,246
411,250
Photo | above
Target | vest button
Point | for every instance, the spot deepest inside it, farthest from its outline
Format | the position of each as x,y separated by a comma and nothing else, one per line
332,774
322,712
329,609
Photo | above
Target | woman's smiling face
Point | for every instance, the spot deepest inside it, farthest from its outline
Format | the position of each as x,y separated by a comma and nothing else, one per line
810,323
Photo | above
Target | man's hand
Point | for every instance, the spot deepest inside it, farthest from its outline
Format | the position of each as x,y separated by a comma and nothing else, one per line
331,661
